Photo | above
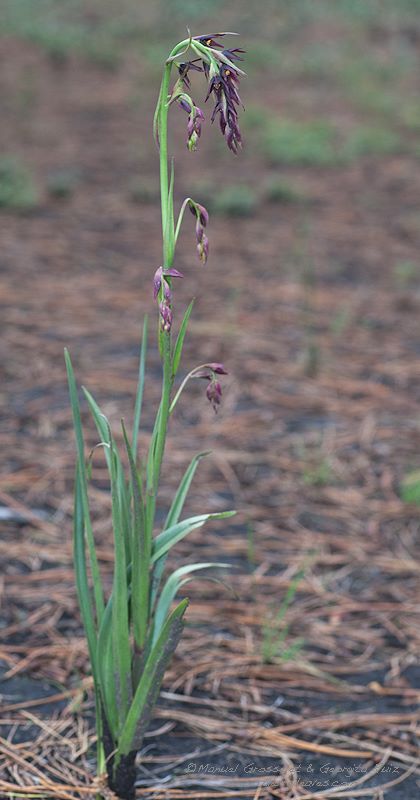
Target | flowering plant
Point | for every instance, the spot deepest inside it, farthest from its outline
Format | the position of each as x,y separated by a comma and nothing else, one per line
132,634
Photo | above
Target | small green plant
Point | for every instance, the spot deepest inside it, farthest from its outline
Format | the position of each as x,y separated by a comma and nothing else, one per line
235,201
275,631
340,321
366,141
132,633
17,188
406,273
319,474
62,183
410,488
280,191
308,143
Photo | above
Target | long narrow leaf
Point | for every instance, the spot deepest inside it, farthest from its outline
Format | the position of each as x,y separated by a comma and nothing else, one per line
174,514
106,672
148,688
77,422
103,428
165,540
140,386
140,555
171,588
82,583
120,623
175,510
180,339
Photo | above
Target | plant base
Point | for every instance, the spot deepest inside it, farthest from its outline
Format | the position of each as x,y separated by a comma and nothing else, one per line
122,779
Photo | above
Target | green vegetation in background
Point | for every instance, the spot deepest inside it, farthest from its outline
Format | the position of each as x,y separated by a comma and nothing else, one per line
410,488
62,183
235,201
319,143
275,631
406,273
278,190
288,142
17,187
370,141
320,474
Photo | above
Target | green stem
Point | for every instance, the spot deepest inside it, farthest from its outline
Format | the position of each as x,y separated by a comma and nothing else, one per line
158,443
163,162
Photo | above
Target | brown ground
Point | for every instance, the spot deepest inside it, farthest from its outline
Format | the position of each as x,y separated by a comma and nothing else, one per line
322,347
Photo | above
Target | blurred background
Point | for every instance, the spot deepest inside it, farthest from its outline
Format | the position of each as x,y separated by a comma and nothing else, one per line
310,297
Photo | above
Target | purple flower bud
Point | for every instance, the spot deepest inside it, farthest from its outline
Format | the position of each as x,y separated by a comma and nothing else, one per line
203,214
166,316
184,69
203,248
202,219
185,105
218,368
157,281
214,394
160,275
194,127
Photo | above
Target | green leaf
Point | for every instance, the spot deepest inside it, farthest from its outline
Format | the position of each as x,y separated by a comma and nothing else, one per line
174,515
140,386
120,621
77,422
171,588
165,540
101,422
145,697
141,555
106,671
180,339
183,489
82,583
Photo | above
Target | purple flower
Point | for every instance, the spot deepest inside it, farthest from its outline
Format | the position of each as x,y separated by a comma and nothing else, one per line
223,86
214,394
195,117
209,370
159,278
209,39
214,388
184,69
194,128
166,316
160,283
202,218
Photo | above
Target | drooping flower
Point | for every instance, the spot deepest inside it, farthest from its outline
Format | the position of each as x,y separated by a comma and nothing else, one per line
202,218
195,118
222,74
161,287
166,316
214,388
214,394
223,86
184,68
159,278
